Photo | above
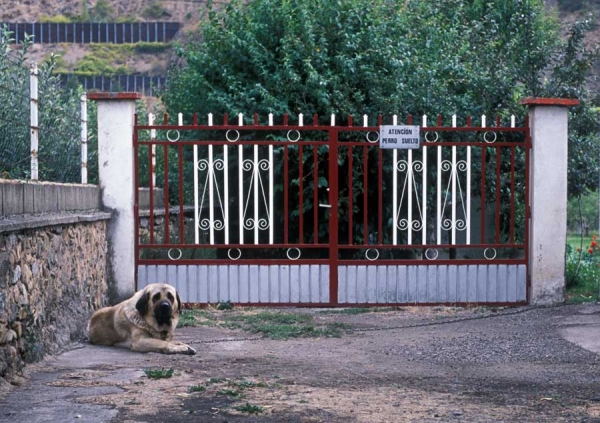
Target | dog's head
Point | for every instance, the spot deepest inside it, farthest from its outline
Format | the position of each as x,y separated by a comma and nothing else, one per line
159,301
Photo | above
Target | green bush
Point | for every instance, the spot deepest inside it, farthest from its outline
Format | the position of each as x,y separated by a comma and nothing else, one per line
59,148
582,274
151,48
54,19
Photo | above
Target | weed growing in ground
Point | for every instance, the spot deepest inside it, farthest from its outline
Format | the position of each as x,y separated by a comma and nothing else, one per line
249,408
159,373
229,392
197,388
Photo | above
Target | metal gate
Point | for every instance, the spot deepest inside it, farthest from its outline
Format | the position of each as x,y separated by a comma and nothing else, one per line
317,214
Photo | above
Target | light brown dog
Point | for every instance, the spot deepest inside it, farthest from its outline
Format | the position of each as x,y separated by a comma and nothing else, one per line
143,323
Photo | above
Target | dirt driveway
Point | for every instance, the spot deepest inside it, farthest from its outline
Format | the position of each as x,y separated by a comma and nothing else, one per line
409,364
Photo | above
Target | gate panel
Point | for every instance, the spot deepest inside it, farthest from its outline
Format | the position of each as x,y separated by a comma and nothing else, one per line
320,215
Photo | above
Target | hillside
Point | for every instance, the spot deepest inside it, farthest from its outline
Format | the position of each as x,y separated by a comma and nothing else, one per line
104,59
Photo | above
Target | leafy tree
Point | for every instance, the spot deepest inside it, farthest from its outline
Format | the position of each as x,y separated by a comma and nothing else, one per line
59,120
464,57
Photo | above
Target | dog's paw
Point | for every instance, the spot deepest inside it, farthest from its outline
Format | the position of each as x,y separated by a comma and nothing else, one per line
181,348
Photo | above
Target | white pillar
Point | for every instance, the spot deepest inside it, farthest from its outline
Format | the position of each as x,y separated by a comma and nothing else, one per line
116,176
548,121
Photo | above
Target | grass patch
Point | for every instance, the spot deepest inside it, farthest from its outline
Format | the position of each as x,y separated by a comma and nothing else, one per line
197,388
159,373
249,408
359,310
271,324
213,380
196,318
229,392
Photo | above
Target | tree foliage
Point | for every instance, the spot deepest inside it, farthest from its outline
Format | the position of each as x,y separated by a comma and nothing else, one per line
59,151
464,57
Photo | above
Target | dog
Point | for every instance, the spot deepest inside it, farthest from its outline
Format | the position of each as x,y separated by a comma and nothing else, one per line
143,323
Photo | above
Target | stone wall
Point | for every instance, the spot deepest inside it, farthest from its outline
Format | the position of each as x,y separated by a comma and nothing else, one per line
53,275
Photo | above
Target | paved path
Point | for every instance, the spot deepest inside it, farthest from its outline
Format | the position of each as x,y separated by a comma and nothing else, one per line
424,365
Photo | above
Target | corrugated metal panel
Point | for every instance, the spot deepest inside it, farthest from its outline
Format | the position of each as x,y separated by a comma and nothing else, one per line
357,284
432,284
243,283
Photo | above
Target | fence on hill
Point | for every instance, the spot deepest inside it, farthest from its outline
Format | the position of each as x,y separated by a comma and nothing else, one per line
146,85
89,32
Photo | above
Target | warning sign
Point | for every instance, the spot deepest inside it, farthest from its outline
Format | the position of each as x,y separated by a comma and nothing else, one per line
393,136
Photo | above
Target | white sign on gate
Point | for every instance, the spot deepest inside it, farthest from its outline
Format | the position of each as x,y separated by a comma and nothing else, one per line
394,136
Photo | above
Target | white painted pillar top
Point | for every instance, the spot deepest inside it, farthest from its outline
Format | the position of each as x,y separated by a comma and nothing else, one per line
116,177
548,121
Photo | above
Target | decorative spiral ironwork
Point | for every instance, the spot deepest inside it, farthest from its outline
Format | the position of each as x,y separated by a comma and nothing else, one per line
217,224
203,165
262,223
458,224
461,165
403,224
248,165
417,166
402,166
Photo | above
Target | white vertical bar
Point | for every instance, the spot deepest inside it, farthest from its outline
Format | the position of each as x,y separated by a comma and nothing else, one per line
424,199
271,165
241,191
196,212
409,175
33,89
256,176
225,185
153,138
300,119
468,217
84,149
483,121
365,121
211,197
454,176
332,119
395,189
512,121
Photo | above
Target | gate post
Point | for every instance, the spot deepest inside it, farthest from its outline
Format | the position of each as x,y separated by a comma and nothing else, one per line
116,177
548,120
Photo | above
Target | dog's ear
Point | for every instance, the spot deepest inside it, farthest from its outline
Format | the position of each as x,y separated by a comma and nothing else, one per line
178,302
142,304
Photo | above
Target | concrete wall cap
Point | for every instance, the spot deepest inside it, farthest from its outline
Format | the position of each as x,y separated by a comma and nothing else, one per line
114,96
540,101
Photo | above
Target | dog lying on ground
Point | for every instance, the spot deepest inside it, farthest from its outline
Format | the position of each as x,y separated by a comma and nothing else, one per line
143,323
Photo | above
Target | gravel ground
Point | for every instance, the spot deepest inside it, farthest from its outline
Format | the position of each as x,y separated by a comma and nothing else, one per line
411,364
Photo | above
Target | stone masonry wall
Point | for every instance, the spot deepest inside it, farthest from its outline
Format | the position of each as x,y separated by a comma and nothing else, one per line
51,280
